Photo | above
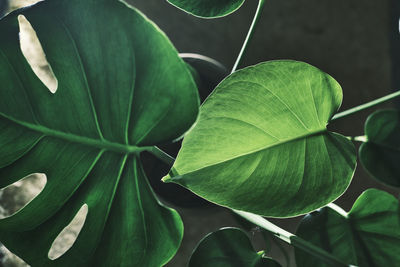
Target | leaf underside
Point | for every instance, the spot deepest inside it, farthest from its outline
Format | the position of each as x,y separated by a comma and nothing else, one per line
380,155
261,143
369,236
121,87
208,8
228,247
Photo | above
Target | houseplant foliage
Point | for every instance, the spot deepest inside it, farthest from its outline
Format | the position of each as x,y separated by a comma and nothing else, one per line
368,235
260,145
261,142
122,88
208,8
380,152
228,247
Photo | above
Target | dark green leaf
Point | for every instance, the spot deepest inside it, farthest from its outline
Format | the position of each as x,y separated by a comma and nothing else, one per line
380,154
261,143
208,8
122,87
228,247
369,235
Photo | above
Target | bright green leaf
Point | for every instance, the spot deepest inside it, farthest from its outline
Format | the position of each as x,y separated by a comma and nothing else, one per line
380,155
261,143
208,8
121,87
228,247
368,235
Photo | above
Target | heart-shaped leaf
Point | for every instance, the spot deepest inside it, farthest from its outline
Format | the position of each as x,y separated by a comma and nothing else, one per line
261,143
380,154
368,235
121,89
208,8
228,247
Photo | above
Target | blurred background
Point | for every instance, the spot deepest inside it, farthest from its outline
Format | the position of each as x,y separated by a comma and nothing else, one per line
357,42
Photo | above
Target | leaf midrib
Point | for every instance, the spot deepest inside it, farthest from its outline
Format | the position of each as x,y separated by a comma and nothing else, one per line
283,141
70,137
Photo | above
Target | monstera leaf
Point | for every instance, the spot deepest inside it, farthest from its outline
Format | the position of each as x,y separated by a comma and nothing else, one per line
122,89
261,144
228,247
368,235
208,8
380,154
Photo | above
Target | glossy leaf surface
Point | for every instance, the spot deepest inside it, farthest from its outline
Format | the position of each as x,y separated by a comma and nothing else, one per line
121,87
368,235
228,247
380,155
261,144
208,8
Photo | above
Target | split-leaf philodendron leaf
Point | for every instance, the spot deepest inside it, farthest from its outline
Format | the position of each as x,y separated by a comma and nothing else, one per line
228,247
122,87
380,154
368,235
261,144
208,8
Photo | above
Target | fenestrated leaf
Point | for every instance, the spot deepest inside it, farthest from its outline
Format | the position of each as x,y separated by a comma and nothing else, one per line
368,235
228,247
208,8
261,143
121,87
380,154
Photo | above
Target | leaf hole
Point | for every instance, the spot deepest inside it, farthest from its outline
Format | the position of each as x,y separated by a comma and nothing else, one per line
7,258
67,237
34,54
16,196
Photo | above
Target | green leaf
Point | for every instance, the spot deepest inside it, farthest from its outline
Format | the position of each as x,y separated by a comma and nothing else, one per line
368,235
228,247
122,87
261,144
380,154
208,8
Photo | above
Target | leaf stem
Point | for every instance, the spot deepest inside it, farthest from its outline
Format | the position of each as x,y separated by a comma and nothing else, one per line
291,238
365,106
249,35
162,155
338,209
362,138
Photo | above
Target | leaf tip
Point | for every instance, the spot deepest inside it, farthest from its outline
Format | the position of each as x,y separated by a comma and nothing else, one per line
166,179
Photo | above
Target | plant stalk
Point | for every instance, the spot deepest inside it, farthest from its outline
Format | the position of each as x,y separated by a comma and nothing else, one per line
338,209
361,139
249,35
162,155
365,106
291,238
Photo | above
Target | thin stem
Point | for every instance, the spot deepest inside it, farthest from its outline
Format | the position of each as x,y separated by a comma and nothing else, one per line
249,35
162,155
267,225
362,138
365,106
337,209
291,238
